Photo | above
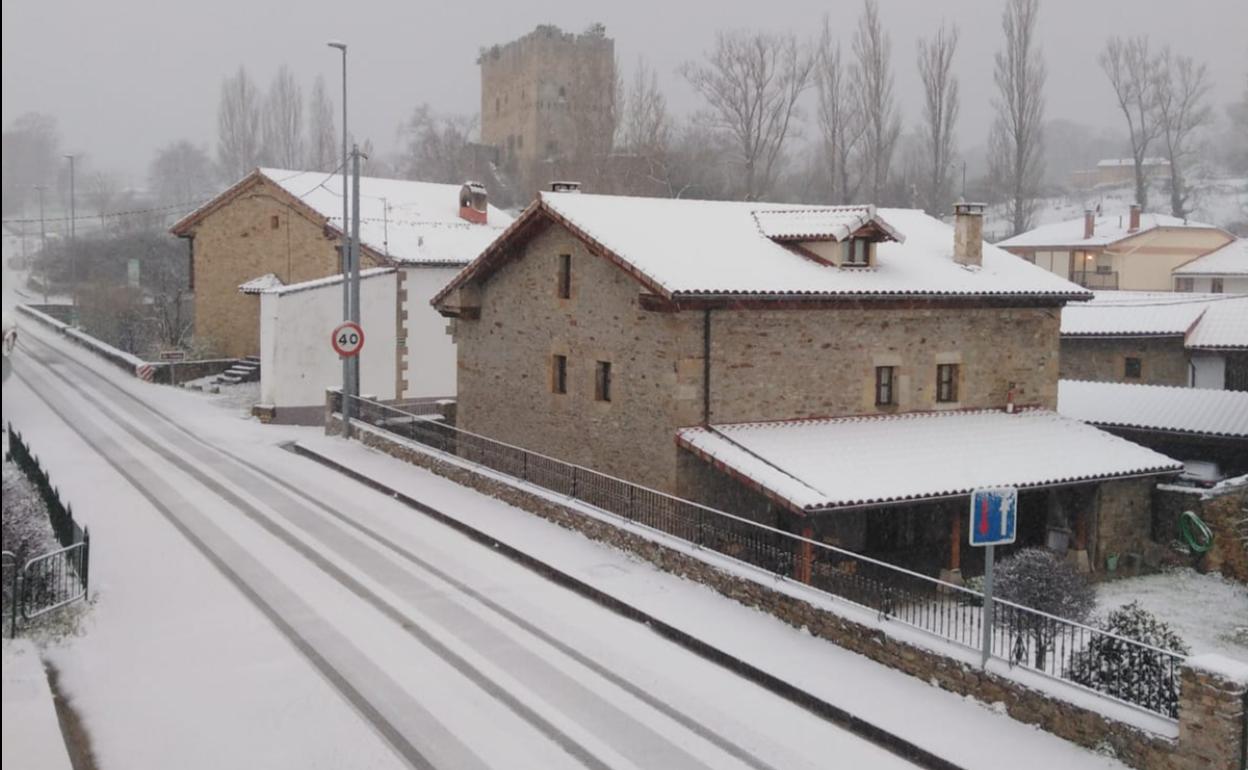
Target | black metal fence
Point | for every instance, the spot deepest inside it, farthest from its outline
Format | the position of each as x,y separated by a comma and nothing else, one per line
1021,636
48,581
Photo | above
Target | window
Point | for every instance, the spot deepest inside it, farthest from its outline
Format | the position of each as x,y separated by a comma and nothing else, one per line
1215,285
946,383
565,276
274,222
857,252
602,381
1131,368
1185,284
884,385
559,374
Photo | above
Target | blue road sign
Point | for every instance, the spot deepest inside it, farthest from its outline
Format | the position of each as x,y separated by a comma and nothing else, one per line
994,516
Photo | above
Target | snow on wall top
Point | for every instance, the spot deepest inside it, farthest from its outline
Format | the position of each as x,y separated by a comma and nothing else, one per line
849,461
814,224
1232,670
1224,325
690,247
329,280
1155,407
260,284
1134,313
1121,162
414,222
1107,230
1231,259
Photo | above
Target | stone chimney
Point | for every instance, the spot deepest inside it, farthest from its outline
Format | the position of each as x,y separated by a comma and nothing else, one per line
968,233
565,187
1089,223
473,203
1135,218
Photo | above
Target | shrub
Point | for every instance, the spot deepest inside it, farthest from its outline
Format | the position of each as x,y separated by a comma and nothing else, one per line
1135,674
1036,578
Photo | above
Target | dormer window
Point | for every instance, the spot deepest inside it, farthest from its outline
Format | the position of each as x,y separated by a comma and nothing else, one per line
857,252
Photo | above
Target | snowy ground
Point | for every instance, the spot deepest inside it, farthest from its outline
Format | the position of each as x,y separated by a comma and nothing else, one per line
1209,611
32,737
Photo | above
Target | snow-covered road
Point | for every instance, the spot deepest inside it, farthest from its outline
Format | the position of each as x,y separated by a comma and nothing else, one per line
453,655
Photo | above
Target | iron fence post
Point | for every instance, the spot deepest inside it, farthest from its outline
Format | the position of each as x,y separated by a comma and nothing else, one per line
86,561
574,469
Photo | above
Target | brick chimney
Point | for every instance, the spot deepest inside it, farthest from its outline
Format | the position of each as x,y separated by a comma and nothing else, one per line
1089,223
473,203
968,233
1135,218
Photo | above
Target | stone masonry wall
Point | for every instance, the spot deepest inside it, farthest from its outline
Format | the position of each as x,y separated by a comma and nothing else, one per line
1224,510
239,242
1211,711
1123,516
1163,361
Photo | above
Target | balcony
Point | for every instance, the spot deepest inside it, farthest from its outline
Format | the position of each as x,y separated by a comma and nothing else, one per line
1098,279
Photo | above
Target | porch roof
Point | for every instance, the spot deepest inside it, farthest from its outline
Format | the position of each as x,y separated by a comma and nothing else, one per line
816,465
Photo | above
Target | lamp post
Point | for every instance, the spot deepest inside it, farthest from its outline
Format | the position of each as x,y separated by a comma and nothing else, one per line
73,244
345,254
43,243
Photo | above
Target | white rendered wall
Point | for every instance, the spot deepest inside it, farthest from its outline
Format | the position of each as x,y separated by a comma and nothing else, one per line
431,363
1208,371
297,363
1229,285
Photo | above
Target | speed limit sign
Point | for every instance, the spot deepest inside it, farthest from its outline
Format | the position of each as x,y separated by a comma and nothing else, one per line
348,339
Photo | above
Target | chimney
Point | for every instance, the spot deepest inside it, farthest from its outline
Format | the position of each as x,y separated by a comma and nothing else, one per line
1135,218
968,233
1089,223
472,203
565,187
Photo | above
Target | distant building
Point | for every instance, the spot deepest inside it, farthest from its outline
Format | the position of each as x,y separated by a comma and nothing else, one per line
1224,270
1134,251
271,240
844,372
1117,171
547,105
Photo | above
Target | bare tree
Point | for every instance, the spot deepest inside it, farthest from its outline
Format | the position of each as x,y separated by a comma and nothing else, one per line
1016,142
282,123
181,175
238,126
1132,71
102,191
436,146
752,82
840,121
322,136
940,113
874,79
645,133
1182,88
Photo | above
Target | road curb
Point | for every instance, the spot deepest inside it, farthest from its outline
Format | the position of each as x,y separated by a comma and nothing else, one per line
770,682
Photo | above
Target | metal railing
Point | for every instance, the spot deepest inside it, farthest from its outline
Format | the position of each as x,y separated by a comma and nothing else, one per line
1095,279
1111,665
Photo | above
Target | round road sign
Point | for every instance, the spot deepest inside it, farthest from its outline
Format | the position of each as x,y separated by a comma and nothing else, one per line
347,339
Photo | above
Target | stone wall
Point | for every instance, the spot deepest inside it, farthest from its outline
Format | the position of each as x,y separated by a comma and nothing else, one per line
258,232
1225,510
1123,521
1163,360
1211,714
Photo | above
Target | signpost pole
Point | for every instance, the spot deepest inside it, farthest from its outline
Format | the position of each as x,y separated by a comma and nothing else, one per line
988,608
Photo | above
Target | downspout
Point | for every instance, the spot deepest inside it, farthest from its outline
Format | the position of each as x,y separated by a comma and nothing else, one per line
706,367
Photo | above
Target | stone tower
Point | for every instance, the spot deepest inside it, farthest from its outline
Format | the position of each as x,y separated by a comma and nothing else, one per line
547,105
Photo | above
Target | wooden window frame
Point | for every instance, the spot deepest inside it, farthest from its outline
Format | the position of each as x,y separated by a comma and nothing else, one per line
857,247
1130,363
559,374
946,383
885,386
602,381
563,289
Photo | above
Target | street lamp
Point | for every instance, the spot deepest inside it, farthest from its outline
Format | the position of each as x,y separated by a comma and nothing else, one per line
348,362
73,245
43,243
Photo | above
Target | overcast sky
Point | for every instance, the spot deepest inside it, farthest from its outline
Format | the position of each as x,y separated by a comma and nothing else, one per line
124,77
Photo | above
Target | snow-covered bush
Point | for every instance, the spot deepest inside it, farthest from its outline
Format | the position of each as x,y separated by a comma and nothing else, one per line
1134,674
1036,578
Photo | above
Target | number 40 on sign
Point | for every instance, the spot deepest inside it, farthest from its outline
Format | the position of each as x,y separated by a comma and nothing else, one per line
347,339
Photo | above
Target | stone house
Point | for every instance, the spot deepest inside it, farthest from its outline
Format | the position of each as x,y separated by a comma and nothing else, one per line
1158,338
766,358
1224,270
1130,252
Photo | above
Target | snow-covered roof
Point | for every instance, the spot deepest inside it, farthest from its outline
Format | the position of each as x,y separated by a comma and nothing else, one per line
329,280
1106,230
858,461
1224,325
690,249
1231,259
1134,314
411,222
1120,162
834,223
1155,407
260,283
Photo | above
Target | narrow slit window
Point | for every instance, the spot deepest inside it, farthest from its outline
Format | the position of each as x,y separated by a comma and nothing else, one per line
602,381
884,385
947,383
275,222
559,374
1132,368
565,276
